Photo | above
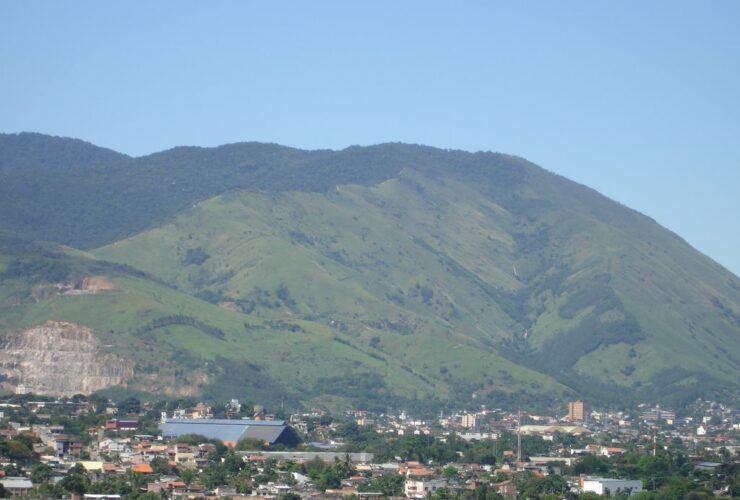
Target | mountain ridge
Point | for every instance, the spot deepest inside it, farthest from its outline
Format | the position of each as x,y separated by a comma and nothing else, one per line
6,163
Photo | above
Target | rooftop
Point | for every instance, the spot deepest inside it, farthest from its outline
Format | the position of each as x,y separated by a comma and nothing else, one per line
227,430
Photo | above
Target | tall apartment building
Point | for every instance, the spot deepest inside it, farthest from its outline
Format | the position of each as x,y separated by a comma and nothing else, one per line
577,410
469,421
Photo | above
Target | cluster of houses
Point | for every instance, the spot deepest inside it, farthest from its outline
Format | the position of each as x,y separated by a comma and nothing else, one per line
118,446
712,425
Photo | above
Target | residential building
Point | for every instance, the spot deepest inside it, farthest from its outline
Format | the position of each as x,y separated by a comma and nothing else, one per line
655,414
121,425
17,486
577,410
469,421
420,488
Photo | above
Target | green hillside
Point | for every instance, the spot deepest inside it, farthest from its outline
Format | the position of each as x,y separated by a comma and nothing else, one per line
415,257
185,346
387,273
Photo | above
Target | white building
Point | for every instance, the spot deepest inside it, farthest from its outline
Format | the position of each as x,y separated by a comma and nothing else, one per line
112,446
478,436
602,485
420,488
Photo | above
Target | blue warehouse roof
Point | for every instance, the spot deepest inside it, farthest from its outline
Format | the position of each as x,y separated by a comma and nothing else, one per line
225,429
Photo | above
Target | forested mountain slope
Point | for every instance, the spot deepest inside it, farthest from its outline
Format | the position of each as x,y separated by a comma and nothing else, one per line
449,273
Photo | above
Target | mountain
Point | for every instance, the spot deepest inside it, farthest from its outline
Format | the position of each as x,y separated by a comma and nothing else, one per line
373,274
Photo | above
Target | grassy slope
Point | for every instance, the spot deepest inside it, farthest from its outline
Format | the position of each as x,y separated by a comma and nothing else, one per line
356,254
344,265
117,317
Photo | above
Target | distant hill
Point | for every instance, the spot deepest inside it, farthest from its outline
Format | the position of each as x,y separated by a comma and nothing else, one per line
391,272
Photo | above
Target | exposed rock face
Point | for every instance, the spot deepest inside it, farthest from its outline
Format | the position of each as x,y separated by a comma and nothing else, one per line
96,284
59,358
89,285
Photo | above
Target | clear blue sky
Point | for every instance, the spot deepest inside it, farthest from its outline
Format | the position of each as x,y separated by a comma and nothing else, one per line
638,99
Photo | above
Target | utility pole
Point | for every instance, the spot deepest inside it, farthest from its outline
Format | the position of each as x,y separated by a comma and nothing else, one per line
655,441
519,437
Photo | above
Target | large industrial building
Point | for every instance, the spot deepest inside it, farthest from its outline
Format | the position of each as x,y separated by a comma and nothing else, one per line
609,486
231,431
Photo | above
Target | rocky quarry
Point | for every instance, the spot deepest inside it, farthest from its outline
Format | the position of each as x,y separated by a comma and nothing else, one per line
58,358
